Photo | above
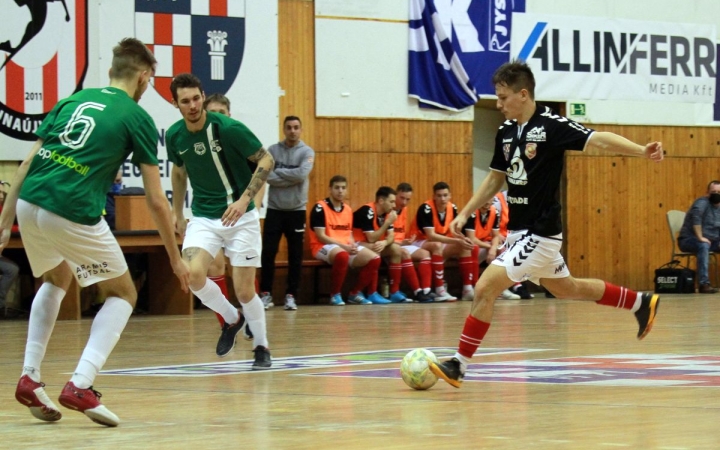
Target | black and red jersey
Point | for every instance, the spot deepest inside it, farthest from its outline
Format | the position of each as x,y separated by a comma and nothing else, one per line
531,156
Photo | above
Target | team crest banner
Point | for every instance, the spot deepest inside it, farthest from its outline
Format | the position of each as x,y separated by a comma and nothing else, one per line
206,38
44,58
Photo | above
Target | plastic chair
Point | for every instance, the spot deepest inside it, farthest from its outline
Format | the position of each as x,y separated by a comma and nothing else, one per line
675,220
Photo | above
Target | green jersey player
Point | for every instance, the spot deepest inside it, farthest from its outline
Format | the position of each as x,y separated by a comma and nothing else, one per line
211,150
59,194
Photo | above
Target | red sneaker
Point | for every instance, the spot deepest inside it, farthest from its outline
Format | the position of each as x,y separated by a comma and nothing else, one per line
32,395
87,401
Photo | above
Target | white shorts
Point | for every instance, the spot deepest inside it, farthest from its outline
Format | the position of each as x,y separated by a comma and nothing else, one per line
412,248
532,257
324,253
242,242
91,251
417,245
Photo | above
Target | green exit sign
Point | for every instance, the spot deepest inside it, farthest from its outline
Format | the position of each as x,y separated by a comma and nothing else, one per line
578,109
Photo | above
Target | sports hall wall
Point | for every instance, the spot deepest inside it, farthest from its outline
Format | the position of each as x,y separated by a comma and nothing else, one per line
614,207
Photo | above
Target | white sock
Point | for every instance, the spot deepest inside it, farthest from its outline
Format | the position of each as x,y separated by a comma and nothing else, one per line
638,302
467,287
463,362
43,314
426,291
255,315
440,290
212,297
106,328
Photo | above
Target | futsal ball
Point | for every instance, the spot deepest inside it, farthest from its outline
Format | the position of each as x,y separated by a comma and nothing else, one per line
415,369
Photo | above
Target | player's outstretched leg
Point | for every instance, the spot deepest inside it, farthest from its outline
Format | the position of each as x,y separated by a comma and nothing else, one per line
647,312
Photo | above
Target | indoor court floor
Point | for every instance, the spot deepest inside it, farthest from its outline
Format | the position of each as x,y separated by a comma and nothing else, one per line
551,374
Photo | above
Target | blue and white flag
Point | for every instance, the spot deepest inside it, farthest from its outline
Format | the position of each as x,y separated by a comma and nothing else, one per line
455,47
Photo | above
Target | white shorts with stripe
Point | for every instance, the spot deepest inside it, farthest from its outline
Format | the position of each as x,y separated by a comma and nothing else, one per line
324,253
242,241
532,257
91,251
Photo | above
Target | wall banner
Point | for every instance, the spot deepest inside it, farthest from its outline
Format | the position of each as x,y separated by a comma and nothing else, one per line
617,59
44,54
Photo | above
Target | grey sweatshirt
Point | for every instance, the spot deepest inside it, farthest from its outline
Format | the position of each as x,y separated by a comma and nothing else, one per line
288,182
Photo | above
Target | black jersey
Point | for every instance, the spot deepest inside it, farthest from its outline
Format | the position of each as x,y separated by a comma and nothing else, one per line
533,164
363,219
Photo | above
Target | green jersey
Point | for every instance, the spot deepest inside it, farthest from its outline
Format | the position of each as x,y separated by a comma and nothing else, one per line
215,159
87,136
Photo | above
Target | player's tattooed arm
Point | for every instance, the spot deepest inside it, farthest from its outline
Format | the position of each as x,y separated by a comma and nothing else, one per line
265,163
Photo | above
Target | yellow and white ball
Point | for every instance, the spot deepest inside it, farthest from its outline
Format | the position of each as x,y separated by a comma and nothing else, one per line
415,369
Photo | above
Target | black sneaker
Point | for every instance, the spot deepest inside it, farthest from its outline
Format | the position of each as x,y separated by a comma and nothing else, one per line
228,335
647,312
449,371
262,358
422,297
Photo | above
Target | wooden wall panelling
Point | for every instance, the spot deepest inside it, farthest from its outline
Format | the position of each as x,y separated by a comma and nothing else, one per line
369,152
677,141
296,41
627,239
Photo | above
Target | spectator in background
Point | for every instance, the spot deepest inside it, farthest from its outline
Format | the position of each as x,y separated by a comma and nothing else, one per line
287,200
700,233
221,104
8,269
331,240
414,253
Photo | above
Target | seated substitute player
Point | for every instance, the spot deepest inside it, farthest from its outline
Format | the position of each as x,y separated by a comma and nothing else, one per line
221,104
373,229
211,150
432,224
59,194
517,291
420,285
529,150
485,233
331,240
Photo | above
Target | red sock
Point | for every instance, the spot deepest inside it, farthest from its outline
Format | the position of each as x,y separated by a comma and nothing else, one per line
409,274
220,281
438,267
466,270
368,277
394,274
472,335
339,270
475,263
618,297
425,273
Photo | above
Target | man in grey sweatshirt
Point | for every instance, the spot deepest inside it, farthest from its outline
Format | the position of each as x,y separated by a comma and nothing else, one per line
287,199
